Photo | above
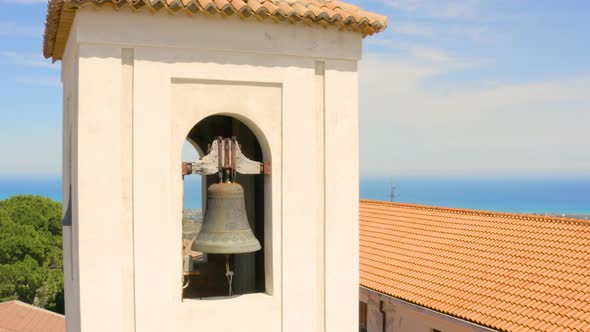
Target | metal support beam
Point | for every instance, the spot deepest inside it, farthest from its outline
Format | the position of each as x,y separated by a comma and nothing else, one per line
225,154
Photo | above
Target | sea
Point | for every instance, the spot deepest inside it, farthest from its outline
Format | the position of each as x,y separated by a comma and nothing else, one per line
568,195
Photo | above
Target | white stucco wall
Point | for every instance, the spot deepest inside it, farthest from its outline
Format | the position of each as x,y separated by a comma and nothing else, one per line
143,81
388,314
70,182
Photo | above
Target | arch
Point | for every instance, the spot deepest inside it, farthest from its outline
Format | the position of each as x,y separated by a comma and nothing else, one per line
250,269
251,125
262,140
200,151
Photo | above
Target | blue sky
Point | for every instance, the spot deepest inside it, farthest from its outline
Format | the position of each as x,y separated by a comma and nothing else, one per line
451,87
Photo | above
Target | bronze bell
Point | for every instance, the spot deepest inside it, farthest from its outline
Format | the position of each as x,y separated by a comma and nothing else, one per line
225,227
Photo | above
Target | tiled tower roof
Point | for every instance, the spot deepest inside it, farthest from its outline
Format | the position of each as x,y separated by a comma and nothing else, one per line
506,271
60,14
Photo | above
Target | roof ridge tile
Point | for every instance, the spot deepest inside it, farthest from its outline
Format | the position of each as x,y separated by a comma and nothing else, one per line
480,212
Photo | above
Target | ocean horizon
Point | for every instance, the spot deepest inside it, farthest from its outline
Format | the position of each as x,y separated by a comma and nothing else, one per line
518,194
539,195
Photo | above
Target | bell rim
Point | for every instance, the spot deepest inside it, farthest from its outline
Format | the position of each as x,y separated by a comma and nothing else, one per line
216,249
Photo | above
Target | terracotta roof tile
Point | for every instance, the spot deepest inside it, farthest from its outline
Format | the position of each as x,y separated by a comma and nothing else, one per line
22,317
60,14
505,271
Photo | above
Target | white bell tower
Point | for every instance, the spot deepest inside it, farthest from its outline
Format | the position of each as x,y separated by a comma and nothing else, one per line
139,77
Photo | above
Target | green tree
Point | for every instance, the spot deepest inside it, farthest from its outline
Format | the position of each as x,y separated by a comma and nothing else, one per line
31,258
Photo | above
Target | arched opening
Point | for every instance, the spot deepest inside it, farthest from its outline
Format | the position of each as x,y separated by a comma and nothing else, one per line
205,274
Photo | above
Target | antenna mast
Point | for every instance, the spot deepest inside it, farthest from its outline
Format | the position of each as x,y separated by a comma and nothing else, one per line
392,194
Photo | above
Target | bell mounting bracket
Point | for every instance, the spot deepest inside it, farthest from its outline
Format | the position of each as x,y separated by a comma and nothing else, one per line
225,156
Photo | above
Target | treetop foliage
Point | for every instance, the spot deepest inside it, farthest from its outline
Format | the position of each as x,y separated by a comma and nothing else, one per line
40,212
31,258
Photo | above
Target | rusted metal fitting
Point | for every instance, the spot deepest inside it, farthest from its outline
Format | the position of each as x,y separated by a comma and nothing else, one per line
187,168
265,168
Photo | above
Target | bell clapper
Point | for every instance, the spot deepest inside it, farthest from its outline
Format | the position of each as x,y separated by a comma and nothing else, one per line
229,275
228,178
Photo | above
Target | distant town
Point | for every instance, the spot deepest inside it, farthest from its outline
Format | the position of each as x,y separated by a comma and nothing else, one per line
191,223
566,215
193,215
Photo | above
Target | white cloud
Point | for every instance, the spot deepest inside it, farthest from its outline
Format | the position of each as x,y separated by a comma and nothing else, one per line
463,9
428,53
416,51
25,2
458,128
12,28
412,29
25,59
466,20
46,81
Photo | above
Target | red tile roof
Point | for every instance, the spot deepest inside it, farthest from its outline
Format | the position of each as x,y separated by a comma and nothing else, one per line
16,316
60,14
506,271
